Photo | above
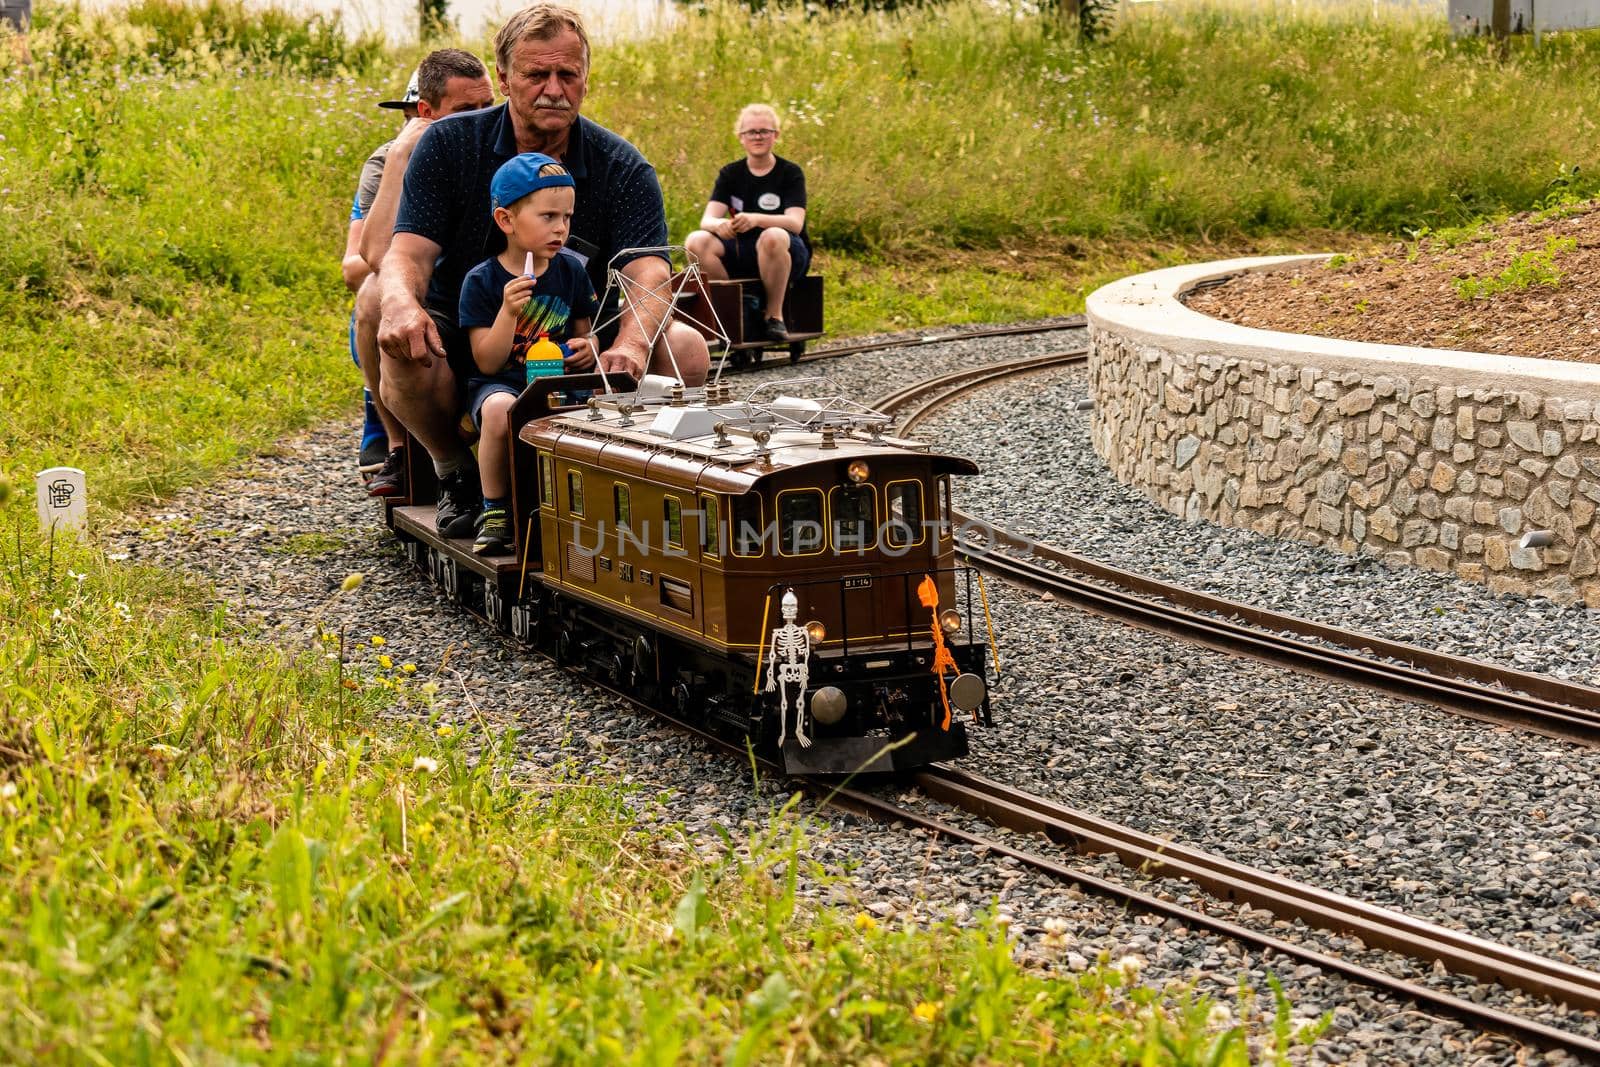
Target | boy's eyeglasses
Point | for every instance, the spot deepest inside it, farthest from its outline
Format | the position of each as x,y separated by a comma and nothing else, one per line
758,133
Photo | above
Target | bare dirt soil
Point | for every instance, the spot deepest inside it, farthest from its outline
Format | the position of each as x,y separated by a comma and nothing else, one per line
1525,286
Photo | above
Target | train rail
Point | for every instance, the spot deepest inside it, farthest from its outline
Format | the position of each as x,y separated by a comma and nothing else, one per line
1468,687
1458,953
1025,813
1071,322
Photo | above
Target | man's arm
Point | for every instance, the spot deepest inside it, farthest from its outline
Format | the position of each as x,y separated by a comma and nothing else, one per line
641,319
354,268
406,330
380,216
714,219
793,219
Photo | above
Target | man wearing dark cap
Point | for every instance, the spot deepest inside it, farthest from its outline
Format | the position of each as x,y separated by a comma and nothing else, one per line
444,228
447,82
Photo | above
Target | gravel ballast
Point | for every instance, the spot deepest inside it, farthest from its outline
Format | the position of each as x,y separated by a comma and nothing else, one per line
1485,829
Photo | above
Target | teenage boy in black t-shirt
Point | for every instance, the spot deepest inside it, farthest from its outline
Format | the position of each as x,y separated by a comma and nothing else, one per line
755,223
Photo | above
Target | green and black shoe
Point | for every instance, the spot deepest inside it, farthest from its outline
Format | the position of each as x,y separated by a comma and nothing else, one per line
495,537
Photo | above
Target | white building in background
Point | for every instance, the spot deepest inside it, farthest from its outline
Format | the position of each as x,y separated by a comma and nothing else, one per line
1527,16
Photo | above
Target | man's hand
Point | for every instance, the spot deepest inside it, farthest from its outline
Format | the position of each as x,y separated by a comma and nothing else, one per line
582,355
408,137
743,223
409,333
630,359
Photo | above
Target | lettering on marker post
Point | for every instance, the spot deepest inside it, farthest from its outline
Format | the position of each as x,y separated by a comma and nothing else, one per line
63,499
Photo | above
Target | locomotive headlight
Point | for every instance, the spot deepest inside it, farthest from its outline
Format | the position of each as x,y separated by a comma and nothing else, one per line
858,471
829,704
815,630
950,619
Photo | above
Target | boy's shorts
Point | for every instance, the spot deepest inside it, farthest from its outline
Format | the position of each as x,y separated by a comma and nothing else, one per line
481,389
739,256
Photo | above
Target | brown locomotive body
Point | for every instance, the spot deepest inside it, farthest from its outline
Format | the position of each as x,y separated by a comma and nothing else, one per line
660,532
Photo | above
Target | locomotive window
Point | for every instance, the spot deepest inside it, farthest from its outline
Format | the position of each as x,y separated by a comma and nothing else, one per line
905,514
621,506
547,480
800,522
748,533
855,518
575,493
710,532
672,512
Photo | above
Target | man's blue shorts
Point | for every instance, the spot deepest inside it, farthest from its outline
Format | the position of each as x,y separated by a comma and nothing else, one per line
739,255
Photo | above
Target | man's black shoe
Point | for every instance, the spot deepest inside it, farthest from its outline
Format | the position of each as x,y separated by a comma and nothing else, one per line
777,331
391,477
373,452
460,500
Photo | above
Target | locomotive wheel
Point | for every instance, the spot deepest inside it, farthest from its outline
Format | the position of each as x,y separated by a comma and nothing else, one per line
796,350
680,700
617,672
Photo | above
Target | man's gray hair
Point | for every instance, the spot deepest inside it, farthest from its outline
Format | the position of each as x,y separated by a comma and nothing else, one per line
437,68
540,22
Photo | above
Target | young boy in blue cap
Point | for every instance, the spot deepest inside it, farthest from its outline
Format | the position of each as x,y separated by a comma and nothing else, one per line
533,290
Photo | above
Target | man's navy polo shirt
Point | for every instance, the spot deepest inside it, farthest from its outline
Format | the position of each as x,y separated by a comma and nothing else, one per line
446,197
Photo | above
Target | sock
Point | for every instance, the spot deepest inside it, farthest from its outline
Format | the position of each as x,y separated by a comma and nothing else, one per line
446,467
493,503
374,426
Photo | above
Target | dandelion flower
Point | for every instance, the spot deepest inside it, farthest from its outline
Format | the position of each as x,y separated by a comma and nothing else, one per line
866,922
352,582
409,668
378,641
445,730
425,764
385,662
925,1011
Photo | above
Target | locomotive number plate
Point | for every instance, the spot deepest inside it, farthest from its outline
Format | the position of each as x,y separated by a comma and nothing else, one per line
857,581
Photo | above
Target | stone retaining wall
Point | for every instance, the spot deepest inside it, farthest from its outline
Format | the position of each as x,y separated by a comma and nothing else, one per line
1441,460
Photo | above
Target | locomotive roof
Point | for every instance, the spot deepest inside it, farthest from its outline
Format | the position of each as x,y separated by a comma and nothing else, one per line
727,446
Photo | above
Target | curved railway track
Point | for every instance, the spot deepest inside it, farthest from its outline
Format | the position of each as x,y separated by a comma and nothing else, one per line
1469,687
1225,880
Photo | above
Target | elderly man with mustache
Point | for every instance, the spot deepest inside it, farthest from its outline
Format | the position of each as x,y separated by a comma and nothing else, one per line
444,228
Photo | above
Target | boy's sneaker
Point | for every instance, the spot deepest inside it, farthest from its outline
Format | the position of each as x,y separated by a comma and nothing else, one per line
494,533
391,477
374,452
460,500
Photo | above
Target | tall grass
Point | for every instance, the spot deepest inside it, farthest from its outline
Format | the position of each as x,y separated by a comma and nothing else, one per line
174,208
965,125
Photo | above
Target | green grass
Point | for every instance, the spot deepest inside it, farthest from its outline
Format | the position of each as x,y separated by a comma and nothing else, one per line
964,126
214,853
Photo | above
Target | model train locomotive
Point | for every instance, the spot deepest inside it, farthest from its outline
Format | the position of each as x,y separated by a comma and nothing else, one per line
774,568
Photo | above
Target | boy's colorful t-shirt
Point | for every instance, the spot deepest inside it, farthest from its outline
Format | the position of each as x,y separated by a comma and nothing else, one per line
561,295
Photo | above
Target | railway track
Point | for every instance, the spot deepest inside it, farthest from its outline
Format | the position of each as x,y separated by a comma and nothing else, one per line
1429,944
1472,688
1071,322
1058,827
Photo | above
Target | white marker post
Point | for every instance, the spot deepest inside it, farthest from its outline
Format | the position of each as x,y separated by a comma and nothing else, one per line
63,499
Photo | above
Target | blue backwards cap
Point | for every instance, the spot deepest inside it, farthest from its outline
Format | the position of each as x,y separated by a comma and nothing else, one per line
519,176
